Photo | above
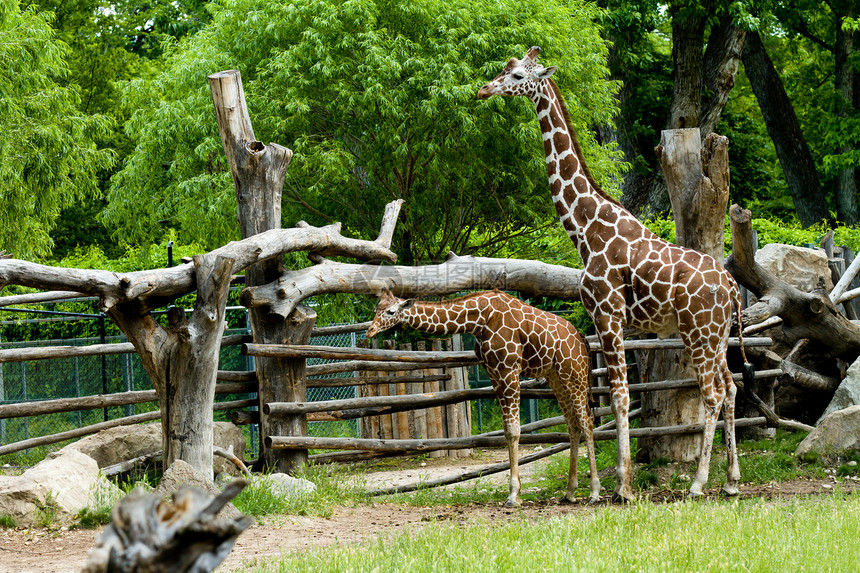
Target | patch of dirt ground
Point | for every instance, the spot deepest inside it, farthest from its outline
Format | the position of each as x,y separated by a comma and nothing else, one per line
43,551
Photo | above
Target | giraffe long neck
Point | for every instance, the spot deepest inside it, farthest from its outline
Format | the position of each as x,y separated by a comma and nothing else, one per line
577,198
446,317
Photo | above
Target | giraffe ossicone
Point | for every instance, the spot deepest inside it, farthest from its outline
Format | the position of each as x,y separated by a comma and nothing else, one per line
632,277
512,338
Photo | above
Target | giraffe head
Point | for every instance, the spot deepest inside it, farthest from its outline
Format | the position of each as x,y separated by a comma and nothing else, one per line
520,77
388,313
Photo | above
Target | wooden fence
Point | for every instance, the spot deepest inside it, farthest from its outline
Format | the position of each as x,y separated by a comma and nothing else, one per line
410,401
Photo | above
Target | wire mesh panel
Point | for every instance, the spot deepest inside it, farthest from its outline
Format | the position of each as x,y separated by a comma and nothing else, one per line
335,428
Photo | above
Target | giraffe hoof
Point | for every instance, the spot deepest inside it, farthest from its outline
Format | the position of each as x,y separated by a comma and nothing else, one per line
619,498
729,491
697,494
565,500
593,500
511,503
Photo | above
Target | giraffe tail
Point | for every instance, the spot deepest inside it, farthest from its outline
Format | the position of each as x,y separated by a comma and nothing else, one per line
592,403
748,370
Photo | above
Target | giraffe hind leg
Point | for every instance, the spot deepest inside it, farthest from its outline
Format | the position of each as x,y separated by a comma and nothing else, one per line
708,379
510,404
733,472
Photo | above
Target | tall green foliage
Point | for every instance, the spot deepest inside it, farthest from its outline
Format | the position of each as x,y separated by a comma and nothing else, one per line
48,154
376,97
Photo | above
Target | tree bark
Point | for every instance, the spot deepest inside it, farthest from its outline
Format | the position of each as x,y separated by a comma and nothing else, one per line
280,297
698,180
845,81
784,129
719,69
182,361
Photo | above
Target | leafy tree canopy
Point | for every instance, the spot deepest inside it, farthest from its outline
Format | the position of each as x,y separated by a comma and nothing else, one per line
376,98
48,154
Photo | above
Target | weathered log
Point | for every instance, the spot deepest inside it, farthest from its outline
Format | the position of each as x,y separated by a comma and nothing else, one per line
493,441
129,465
94,428
805,315
353,381
37,297
795,375
147,533
376,366
231,457
456,274
340,329
26,409
377,405
439,357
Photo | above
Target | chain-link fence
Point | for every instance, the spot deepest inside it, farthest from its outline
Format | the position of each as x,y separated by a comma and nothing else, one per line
91,375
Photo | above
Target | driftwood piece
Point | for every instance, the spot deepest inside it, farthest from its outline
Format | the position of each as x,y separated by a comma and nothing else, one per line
148,533
457,273
804,315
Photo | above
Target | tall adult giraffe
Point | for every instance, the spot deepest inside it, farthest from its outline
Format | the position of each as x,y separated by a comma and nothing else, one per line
633,277
513,338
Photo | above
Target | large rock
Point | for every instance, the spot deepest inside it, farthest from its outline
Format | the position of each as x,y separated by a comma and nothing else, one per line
847,394
65,481
838,432
798,266
287,485
116,445
230,437
181,473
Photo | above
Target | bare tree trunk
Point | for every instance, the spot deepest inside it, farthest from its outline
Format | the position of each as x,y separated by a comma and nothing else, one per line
182,361
784,129
846,192
719,69
258,172
698,180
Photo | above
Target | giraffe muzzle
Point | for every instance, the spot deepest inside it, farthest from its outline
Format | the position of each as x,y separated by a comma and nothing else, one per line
484,92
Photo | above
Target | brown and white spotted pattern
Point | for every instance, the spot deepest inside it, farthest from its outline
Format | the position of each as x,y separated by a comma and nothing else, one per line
512,338
632,277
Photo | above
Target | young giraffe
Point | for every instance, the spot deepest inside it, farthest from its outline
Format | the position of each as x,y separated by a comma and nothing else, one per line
513,338
633,277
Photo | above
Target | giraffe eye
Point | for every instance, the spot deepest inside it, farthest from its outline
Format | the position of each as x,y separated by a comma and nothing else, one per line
517,76
391,311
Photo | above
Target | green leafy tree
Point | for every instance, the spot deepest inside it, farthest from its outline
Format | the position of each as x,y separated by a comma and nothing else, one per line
48,152
376,98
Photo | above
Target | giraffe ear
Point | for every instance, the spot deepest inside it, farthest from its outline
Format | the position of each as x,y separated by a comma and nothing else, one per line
406,304
543,73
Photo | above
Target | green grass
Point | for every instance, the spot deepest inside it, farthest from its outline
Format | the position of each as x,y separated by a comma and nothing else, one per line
7,521
719,536
335,486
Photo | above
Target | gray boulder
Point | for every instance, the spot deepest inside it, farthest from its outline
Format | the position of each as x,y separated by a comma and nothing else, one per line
798,266
116,445
847,394
65,482
287,485
838,432
181,473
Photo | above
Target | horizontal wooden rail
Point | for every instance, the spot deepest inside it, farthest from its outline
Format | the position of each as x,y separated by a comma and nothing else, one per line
38,408
375,366
303,443
57,352
682,383
354,381
95,428
340,329
370,354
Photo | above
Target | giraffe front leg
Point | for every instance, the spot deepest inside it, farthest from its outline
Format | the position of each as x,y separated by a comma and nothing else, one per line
570,493
508,393
512,435
713,402
611,339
